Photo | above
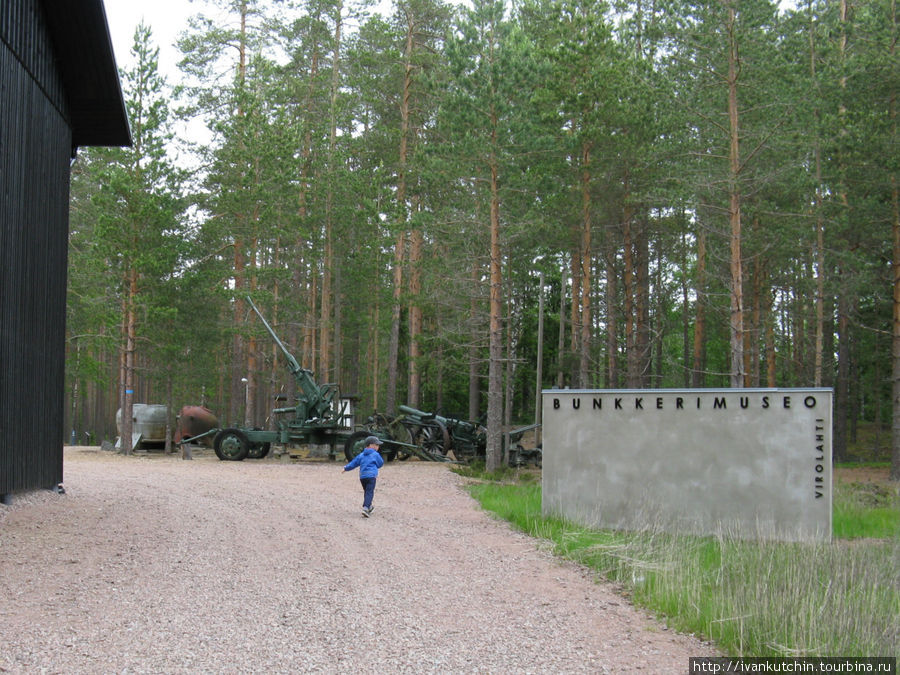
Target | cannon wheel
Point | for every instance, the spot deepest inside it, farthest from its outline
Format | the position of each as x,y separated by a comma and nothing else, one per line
390,429
259,450
433,438
389,451
231,445
357,442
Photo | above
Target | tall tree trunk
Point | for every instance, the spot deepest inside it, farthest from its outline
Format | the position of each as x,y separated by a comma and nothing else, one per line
561,341
584,347
842,386
612,315
842,390
661,330
414,395
402,211
130,326
685,315
416,239
734,157
337,333
755,333
698,363
493,450
390,403
770,340
509,380
895,229
373,349
631,355
326,325
642,302
302,245
819,215
474,369
895,341
239,355
439,378
308,360
574,310
276,373
251,384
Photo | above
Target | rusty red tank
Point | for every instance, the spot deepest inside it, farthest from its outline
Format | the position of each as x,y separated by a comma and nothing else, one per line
194,420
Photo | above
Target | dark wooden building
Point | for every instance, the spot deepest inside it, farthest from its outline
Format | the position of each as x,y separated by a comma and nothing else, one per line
59,89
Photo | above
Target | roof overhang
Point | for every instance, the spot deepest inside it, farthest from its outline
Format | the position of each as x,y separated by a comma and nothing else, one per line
87,66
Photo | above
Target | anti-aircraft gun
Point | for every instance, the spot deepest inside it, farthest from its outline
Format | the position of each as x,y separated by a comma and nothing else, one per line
319,416
315,403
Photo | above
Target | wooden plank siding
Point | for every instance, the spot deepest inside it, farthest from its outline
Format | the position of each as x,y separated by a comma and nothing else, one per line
40,76
34,184
24,29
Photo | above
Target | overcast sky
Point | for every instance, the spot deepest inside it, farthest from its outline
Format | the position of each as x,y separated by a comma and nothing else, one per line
166,18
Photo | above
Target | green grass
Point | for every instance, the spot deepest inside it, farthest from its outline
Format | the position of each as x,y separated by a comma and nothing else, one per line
751,598
865,511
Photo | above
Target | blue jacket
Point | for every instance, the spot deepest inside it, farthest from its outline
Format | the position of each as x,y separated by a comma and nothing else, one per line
368,461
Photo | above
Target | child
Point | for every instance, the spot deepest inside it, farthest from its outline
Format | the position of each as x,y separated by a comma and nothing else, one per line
368,461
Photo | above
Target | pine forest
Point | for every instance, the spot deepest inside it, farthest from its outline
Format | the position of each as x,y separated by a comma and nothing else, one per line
452,206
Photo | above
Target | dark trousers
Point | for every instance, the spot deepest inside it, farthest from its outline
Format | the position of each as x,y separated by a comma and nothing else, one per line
368,485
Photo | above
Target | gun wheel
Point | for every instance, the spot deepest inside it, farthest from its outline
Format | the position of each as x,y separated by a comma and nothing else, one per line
433,438
355,444
231,445
259,450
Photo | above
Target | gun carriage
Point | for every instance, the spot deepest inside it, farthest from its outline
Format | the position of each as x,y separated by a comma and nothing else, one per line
440,436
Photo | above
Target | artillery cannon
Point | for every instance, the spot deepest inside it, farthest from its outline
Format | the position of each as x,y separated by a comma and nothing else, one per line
318,416
439,436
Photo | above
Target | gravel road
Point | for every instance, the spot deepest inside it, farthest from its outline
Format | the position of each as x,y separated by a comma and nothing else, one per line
153,564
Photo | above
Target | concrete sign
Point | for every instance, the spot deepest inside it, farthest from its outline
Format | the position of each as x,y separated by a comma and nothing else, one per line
752,463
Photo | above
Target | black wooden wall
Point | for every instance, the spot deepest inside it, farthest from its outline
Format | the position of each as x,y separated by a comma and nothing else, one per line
35,149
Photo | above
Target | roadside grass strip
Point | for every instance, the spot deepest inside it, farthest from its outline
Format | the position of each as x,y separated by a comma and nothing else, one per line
752,598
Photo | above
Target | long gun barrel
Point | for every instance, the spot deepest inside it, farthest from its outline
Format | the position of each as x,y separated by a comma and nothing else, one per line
434,416
292,362
315,402
419,413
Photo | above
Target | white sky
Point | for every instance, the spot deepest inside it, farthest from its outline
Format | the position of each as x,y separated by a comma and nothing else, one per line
166,18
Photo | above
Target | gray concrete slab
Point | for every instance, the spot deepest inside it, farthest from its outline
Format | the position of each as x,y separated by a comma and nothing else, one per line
753,463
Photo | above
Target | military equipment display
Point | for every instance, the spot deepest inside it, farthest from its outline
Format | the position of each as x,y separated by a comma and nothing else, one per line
320,415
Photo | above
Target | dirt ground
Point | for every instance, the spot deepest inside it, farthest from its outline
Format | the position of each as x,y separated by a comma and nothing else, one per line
863,474
154,564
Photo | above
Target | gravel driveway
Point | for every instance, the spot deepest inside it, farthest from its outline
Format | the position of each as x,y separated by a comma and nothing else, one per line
154,564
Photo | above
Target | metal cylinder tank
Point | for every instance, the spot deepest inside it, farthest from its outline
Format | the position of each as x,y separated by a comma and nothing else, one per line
148,424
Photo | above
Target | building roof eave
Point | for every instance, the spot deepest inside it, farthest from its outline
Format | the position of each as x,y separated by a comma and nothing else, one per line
87,66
